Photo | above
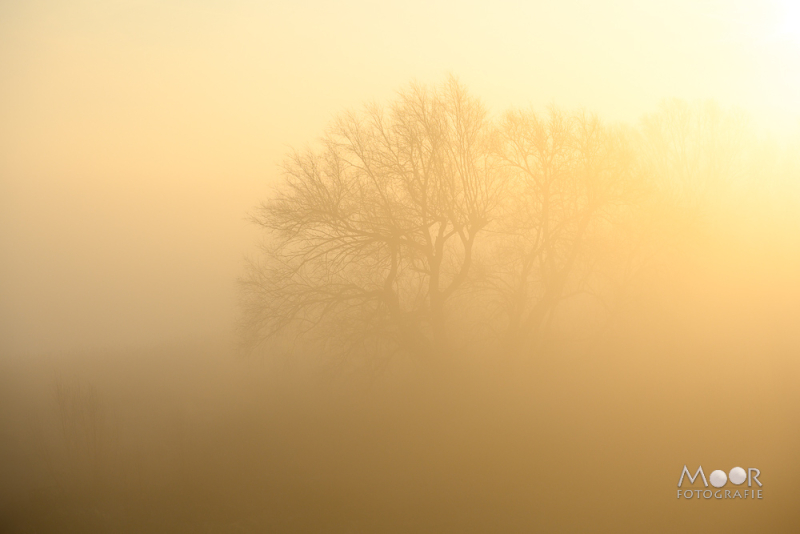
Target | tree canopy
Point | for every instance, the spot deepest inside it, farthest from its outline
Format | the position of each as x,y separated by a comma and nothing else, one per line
426,225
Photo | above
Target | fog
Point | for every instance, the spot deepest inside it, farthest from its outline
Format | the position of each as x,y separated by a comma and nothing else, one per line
418,267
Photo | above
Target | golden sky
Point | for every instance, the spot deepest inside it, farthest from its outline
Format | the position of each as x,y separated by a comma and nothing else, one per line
135,136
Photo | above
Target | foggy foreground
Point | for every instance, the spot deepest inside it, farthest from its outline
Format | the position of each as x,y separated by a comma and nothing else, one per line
457,323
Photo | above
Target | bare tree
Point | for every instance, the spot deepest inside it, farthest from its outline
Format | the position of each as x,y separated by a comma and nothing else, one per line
690,162
372,234
693,152
569,175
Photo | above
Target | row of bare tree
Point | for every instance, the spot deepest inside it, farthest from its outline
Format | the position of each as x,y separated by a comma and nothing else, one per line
427,226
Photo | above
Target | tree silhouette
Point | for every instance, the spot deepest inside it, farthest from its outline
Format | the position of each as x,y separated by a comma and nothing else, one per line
424,226
373,233
569,175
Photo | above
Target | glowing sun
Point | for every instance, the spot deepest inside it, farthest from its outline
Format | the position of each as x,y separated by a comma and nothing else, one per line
789,21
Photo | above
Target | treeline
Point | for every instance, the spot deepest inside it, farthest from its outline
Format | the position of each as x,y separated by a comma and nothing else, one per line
431,228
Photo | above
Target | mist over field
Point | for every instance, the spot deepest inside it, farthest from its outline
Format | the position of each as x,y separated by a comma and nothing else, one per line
353,267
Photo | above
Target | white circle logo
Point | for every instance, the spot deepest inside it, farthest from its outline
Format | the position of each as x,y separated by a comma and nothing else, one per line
737,475
719,478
